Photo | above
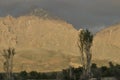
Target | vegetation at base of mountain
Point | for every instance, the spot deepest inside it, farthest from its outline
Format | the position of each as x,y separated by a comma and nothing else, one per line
71,73
104,71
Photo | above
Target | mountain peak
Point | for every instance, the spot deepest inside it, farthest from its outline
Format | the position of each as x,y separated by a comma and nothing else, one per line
42,13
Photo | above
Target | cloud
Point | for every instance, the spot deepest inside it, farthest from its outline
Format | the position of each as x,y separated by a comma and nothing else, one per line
77,12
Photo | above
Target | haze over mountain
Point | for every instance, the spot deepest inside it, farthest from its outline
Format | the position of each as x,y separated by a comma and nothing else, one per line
92,14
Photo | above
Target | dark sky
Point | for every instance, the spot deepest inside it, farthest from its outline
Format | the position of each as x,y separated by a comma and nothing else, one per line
92,14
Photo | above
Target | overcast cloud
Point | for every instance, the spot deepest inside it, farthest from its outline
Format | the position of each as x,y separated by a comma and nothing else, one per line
92,14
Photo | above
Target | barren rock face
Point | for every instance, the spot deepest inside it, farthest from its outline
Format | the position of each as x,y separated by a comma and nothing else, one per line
106,46
36,38
33,32
43,44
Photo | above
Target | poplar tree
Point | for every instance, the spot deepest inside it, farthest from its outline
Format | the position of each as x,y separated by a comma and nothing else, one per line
84,44
8,64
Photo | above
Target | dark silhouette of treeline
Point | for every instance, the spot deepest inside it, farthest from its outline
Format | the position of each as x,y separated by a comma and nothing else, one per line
70,74
113,70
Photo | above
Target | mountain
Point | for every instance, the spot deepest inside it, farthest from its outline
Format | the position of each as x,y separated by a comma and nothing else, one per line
49,44
39,12
106,46
40,44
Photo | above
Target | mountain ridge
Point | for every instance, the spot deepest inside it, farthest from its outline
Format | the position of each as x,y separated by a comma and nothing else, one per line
106,44
34,36
51,44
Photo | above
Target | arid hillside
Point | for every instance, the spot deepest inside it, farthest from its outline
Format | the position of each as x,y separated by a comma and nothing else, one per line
41,44
106,46
46,44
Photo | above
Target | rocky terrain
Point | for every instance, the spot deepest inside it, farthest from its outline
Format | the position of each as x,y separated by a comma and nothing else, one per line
106,46
46,44
41,44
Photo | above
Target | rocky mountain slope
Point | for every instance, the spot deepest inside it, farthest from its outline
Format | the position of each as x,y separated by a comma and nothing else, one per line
41,44
106,46
46,44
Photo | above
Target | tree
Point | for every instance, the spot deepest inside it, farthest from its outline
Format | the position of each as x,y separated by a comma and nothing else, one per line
23,75
105,71
8,64
84,44
33,75
111,64
94,66
96,72
117,72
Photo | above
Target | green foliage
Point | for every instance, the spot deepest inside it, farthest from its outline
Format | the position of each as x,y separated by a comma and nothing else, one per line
23,75
86,37
33,75
103,71
73,73
94,66
84,44
36,75
111,64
